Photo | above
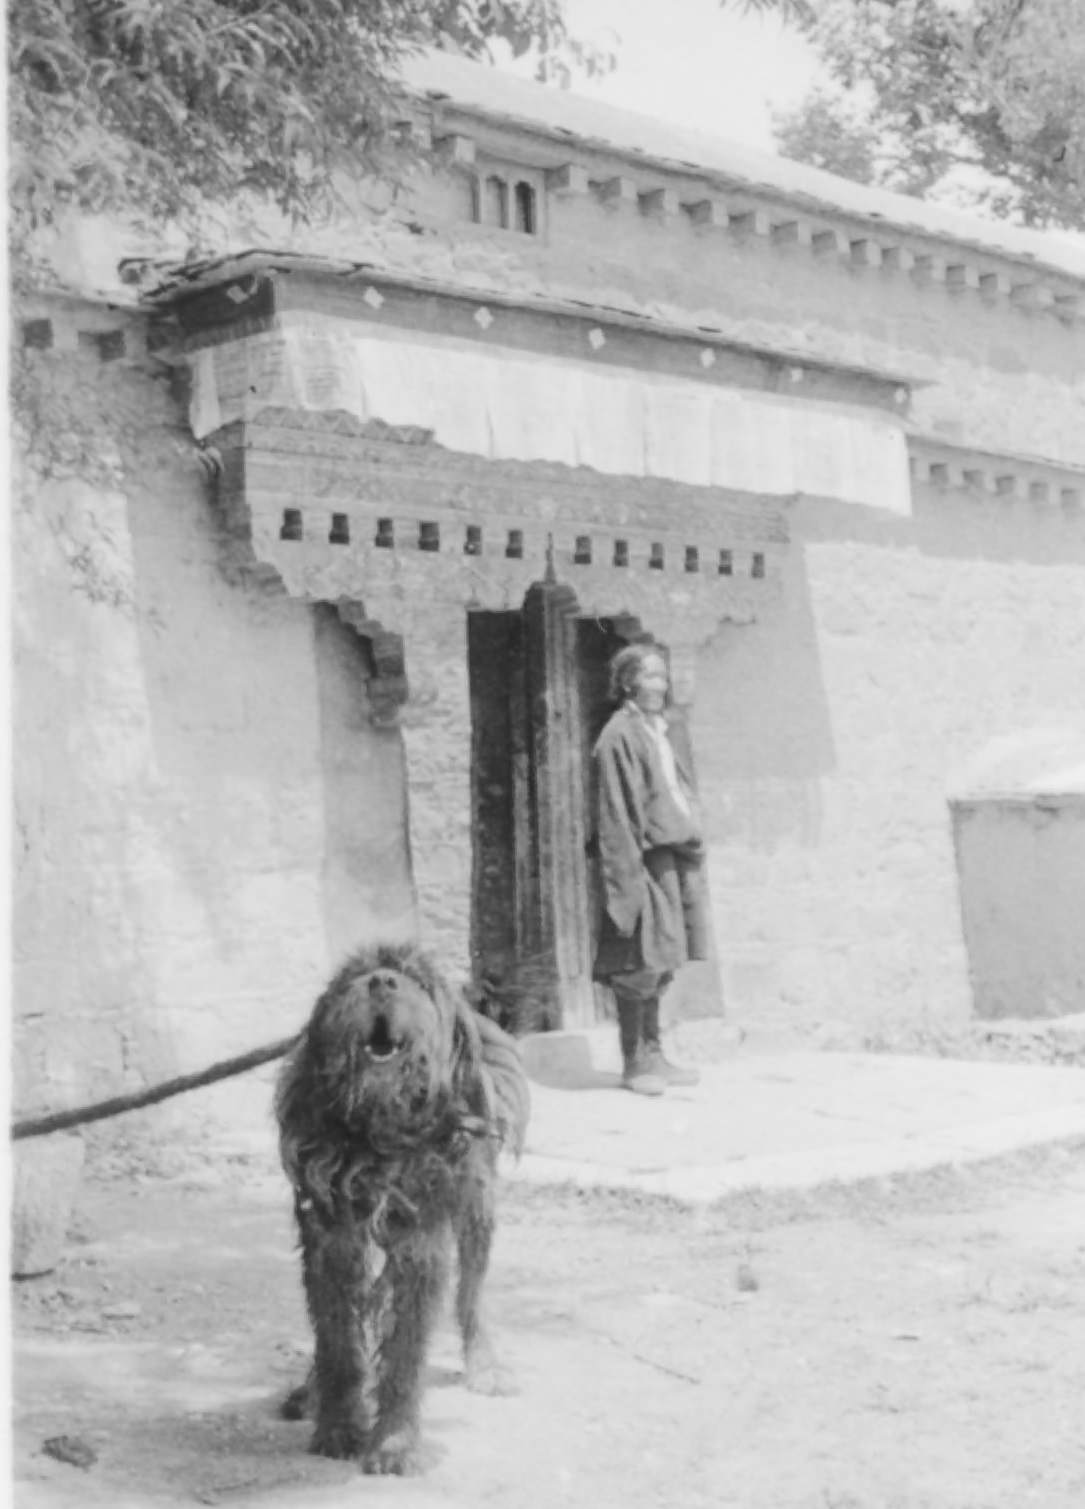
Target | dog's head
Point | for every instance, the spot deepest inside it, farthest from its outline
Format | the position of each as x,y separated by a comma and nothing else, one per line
391,1058
382,1035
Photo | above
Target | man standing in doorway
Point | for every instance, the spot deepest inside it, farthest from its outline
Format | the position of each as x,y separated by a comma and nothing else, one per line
651,857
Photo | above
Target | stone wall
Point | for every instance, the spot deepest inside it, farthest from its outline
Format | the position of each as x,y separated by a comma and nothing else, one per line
827,734
205,817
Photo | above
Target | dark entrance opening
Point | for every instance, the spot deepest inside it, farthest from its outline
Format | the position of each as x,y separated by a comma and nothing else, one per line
504,864
538,682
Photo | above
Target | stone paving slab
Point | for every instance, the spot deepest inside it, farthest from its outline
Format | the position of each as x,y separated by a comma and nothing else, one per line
790,1120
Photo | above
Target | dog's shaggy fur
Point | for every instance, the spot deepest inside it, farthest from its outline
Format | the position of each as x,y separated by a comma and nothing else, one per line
392,1109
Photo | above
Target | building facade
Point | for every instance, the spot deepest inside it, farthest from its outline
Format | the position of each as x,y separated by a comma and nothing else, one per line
323,542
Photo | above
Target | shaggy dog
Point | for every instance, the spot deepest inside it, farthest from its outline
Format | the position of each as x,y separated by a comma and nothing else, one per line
392,1109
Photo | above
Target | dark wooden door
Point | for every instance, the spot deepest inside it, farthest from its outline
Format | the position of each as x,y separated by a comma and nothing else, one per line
538,693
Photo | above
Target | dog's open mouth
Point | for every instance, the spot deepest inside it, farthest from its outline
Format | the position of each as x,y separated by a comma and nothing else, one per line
382,1046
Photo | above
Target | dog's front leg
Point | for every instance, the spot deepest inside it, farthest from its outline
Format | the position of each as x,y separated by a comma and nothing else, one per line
418,1273
347,1296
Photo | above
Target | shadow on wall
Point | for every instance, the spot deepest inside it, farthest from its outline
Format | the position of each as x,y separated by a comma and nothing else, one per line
366,876
762,727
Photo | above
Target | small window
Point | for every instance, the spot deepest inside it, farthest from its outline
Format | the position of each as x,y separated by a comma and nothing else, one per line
507,201
495,209
525,208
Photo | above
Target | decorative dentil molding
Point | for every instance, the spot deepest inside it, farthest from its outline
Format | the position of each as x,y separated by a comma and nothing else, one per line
406,533
945,466
713,208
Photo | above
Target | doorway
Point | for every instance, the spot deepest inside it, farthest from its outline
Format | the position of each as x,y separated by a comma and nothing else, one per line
538,688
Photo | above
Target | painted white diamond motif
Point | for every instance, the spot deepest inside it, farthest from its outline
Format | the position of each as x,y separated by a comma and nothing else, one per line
708,357
373,297
596,339
483,317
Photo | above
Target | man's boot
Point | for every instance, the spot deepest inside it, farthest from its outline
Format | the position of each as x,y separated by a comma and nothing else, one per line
652,1056
636,1075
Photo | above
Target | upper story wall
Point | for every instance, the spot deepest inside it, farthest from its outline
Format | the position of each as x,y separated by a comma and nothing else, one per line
619,212
805,262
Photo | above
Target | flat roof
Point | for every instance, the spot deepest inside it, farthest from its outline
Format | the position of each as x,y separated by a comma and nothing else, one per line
488,92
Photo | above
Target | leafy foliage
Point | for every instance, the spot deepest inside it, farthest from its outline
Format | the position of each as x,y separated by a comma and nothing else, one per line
985,95
827,133
161,105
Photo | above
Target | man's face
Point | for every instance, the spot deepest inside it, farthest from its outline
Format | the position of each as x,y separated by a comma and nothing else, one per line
650,693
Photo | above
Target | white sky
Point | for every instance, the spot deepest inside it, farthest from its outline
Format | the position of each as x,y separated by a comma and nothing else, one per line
693,63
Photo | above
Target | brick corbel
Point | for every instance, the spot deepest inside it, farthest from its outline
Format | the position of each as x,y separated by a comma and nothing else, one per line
708,212
455,151
570,178
751,222
620,190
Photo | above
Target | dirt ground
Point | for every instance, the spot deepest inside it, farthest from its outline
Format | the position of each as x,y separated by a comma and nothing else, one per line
913,1346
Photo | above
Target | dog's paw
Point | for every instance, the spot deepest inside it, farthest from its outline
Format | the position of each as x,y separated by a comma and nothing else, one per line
401,1454
340,1440
297,1404
486,1375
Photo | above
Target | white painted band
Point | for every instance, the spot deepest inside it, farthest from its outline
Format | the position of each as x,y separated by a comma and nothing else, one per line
511,405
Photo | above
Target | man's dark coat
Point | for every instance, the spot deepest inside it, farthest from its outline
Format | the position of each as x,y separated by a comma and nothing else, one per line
650,853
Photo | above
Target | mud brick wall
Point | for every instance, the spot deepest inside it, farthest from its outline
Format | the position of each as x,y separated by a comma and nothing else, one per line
828,730
206,817
998,354
1000,362
829,734
206,814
